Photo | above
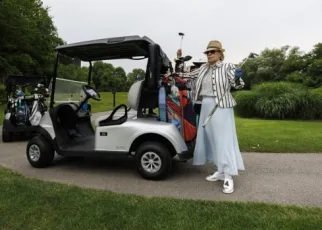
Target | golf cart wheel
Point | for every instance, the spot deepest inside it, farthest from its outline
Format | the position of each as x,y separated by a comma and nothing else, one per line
6,136
40,153
153,161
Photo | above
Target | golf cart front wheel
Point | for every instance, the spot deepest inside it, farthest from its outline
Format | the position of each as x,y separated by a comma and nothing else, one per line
40,152
153,161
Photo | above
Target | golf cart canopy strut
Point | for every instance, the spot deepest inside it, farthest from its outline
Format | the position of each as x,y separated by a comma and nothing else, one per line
127,47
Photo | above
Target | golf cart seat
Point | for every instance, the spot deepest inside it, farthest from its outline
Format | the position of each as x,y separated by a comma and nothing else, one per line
133,99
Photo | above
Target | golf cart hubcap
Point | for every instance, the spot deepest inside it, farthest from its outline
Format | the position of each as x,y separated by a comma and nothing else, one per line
34,152
151,162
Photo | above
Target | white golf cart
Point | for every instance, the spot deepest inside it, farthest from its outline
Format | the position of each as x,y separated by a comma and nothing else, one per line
67,130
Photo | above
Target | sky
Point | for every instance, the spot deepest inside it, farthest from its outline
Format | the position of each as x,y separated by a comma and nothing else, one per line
241,26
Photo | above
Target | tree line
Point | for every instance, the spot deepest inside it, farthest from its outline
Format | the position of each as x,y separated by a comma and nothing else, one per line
28,37
287,64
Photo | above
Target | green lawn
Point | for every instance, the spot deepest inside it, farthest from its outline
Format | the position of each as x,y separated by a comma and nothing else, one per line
257,135
32,204
107,101
2,107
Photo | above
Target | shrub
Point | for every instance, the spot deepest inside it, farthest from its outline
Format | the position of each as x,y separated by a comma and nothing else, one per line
314,105
2,94
246,101
280,100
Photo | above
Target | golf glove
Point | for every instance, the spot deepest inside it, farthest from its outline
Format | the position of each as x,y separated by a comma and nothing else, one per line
238,73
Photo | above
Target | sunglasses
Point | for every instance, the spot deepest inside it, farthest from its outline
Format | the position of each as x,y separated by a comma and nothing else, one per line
210,52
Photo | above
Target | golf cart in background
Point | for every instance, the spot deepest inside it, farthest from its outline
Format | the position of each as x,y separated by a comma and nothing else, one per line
153,143
25,96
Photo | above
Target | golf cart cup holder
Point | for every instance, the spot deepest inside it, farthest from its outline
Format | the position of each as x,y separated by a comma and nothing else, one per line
109,121
91,93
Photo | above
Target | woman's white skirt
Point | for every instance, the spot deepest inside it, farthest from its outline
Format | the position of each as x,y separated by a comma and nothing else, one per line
217,142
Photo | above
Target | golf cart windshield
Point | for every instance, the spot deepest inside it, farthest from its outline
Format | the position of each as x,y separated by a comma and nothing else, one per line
67,91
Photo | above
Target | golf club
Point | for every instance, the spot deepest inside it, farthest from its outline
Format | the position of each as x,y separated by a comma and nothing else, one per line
251,55
181,34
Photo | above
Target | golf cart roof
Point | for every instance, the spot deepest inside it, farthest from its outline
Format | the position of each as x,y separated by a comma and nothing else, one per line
127,47
14,80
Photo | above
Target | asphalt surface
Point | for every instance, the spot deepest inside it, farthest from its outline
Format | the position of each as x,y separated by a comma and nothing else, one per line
269,177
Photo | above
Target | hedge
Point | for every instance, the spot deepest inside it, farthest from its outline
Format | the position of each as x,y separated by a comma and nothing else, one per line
2,94
280,100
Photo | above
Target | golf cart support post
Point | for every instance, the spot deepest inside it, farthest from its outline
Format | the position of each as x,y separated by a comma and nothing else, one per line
154,143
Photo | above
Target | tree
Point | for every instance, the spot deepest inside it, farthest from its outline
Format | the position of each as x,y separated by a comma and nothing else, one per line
28,38
136,75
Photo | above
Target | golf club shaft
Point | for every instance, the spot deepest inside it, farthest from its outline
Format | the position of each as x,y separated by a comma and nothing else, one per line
243,62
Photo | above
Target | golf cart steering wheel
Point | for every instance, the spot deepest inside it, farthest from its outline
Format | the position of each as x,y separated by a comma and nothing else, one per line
91,93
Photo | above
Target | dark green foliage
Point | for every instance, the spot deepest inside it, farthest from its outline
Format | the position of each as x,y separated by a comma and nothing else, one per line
2,94
246,101
280,100
285,64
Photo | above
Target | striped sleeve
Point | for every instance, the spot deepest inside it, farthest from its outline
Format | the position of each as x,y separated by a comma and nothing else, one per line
194,73
239,84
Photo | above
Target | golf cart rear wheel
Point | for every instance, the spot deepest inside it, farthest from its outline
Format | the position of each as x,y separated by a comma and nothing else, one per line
6,136
153,161
40,152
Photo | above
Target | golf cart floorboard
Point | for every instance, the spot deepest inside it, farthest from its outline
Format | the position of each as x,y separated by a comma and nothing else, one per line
85,147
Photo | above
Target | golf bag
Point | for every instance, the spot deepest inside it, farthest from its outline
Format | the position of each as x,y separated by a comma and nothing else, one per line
19,109
179,106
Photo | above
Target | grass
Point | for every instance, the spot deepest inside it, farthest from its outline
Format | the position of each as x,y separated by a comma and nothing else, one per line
2,107
32,204
107,101
256,135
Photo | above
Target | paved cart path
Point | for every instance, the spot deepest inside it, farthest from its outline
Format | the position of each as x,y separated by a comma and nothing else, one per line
269,177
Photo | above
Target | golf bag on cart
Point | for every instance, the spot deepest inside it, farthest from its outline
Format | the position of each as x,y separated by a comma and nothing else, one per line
19,109
176,96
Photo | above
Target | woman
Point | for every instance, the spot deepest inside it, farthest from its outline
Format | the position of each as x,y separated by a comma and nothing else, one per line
217,142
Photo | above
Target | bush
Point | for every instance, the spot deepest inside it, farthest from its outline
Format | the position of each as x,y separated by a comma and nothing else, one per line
314,107
2,94
246,101
280,100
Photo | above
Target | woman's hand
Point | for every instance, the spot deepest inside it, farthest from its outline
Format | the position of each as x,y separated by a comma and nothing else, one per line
234,76
179,53
238,73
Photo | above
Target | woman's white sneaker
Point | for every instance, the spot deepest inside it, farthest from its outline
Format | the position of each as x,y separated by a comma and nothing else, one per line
228,186
215,177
